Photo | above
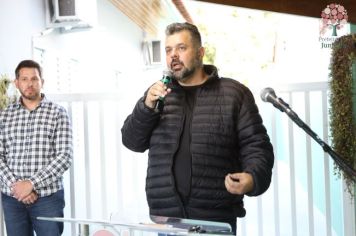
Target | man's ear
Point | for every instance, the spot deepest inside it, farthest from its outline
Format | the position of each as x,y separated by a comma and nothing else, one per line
201,52
16,82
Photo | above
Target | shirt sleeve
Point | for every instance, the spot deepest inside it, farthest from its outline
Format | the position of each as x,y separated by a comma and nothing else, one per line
6,175
63,150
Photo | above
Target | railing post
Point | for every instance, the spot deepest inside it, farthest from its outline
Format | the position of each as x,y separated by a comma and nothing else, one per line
83,230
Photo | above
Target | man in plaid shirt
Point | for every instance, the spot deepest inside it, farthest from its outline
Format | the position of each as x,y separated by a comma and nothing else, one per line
35,151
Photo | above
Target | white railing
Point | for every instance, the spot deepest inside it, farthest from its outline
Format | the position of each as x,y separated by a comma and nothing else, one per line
305,198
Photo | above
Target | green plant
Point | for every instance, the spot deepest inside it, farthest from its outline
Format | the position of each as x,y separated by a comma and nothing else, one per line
342,113
210,53
5,99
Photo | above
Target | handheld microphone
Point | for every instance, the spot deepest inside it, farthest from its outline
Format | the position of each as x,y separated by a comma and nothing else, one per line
166,79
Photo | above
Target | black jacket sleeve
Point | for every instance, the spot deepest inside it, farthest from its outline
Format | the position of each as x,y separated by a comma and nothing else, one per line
256,150
137,128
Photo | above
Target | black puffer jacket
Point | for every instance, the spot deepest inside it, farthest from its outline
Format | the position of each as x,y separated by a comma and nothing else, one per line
227,136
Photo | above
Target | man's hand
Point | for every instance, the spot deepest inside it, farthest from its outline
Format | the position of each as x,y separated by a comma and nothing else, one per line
159,89
31,198
239,183
21,189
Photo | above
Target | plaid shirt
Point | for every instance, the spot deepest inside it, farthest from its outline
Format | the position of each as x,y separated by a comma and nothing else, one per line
35,145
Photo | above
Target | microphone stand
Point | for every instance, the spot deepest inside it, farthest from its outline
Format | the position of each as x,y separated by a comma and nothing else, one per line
337,158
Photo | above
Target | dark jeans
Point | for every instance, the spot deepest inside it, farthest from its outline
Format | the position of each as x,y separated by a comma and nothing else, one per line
21,219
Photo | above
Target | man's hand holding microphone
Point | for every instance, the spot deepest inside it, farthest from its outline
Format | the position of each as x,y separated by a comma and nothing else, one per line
157,92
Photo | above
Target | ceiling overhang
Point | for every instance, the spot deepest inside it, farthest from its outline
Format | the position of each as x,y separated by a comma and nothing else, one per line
311,8
147,14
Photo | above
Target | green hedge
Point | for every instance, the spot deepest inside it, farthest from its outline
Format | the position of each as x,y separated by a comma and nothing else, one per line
342,116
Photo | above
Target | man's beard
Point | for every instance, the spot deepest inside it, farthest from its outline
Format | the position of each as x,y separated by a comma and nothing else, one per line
31,97
186,73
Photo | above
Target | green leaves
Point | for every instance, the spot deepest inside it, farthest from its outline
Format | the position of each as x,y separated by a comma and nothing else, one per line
342,93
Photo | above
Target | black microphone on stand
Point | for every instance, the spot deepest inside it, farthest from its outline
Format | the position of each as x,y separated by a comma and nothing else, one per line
166,79
268,95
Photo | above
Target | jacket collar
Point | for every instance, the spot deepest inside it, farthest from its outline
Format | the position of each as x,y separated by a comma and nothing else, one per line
210,70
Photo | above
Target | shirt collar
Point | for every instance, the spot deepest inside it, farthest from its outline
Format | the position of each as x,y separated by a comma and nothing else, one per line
18,103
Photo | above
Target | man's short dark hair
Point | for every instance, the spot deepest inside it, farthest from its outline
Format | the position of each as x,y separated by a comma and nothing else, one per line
28,64
178,27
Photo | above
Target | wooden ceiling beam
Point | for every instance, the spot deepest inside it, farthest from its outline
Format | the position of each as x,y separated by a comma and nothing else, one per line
136,12
147,13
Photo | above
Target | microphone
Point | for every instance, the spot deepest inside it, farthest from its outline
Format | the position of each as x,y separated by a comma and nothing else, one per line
166,79
268,95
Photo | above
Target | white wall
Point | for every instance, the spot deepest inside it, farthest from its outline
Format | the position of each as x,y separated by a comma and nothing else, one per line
19,20
113,44
112,39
